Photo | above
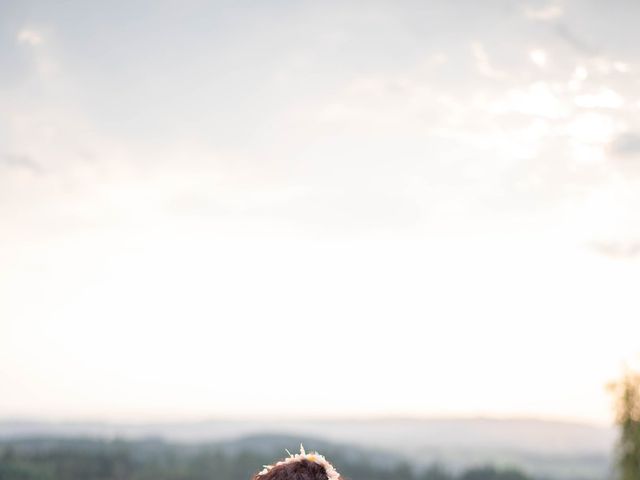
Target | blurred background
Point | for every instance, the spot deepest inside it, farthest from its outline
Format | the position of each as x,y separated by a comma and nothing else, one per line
405,233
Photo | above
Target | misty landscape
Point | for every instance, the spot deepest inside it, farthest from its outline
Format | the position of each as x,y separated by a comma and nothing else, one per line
404,233
366,448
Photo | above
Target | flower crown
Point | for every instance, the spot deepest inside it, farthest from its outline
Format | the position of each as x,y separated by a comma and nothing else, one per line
315,457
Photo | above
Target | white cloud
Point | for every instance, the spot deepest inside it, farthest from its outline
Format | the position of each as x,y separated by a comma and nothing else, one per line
589,134
537,99
539,57
483,63
621,67
592,127
544,14
28,36
580,74
603,98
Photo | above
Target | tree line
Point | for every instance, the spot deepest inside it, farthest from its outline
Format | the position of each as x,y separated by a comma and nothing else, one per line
91,459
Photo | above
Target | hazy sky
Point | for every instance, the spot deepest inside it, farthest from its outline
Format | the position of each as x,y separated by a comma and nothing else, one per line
318,207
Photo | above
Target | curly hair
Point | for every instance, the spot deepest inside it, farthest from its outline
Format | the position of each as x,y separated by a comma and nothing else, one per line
302,470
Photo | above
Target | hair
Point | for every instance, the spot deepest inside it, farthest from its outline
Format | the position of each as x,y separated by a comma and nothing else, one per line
302,470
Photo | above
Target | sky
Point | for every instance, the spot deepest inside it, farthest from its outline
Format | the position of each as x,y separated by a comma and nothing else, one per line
300,208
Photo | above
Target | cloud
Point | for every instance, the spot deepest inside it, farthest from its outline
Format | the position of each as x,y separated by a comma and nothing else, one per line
24,162
29,37
626,145
538,99
539,57
483,63
604,98
547,13
574,41
618,250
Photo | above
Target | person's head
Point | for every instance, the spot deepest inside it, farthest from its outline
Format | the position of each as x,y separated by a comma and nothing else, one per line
301,466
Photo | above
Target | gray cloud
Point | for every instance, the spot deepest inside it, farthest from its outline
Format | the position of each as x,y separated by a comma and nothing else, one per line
618,249
18,161
626,145
574,40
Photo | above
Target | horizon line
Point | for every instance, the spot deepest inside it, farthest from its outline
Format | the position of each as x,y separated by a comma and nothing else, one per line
130,420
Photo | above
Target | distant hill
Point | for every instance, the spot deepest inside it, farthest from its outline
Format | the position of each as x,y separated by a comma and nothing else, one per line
558,449
50,458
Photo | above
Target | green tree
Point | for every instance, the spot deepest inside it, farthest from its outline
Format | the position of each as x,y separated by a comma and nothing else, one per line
493,473
627,398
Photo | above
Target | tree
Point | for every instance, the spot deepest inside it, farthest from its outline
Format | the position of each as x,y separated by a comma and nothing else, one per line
627,398
493,473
